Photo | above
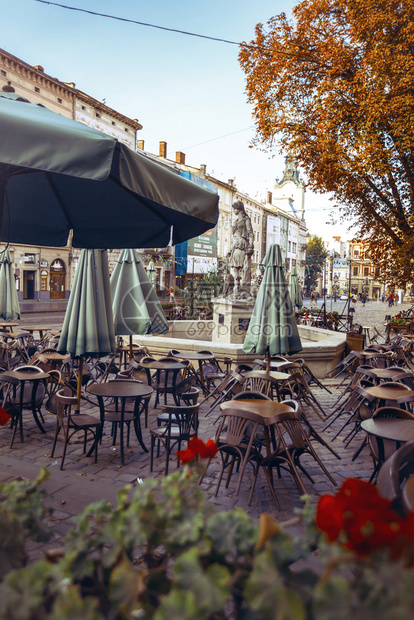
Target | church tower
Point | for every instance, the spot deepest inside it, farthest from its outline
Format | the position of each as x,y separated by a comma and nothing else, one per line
290,190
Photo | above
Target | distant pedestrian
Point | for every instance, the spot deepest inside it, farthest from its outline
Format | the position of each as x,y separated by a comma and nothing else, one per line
390,300
363,299
171,292
383,297
396,298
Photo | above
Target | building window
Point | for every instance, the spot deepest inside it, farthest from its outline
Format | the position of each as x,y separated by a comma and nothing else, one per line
4,74
126,129
366,271
289,246
113,122
377,272
97,115
294,247
83,107
227,198
29,258
355,271
37,90
59,100
43,281
226,221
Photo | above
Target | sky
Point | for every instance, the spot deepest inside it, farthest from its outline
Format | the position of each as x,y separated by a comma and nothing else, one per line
185,90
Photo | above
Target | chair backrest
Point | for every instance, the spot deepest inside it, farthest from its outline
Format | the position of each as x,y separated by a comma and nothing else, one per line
259,381
288,424
234,427
250,394
392,412
185,417
395,471
64,401
243,368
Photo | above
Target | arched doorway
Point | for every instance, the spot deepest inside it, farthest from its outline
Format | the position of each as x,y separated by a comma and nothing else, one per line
57,279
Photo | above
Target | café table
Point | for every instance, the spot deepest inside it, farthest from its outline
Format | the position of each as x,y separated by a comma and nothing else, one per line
383,374
7,326
37,328
383,393
265,412
171,369
196,356
19,378
277,377
56,359
121,390
392,429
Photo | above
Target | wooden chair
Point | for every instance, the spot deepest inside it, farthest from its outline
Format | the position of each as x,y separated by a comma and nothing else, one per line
71,422
236,441
182,424
388,446
394,475
292,443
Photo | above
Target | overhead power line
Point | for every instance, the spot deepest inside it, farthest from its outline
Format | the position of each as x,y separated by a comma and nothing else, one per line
133,21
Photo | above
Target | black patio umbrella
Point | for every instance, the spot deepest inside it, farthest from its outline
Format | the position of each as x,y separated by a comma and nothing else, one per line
57,175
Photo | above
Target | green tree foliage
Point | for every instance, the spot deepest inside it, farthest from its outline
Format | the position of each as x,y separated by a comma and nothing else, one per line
315,258
336,86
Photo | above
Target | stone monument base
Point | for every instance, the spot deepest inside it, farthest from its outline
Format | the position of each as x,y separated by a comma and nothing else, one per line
231,319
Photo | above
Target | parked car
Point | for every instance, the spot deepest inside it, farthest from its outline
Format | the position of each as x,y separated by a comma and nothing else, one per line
344,297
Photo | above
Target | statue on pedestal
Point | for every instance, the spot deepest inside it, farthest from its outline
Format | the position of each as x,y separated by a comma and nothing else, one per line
241,252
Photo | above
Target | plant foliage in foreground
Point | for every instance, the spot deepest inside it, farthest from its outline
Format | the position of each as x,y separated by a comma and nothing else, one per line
164,552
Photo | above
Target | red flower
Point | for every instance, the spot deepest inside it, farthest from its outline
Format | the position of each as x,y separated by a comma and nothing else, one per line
197,447
4,416
365,521
186,456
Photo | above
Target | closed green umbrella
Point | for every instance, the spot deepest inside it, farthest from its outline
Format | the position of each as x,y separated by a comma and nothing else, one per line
272,329
88,327
136,307
294,288
9,302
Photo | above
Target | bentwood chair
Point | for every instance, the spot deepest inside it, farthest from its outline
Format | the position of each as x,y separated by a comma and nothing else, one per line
71,422
292,443
388,447
237,445
181,425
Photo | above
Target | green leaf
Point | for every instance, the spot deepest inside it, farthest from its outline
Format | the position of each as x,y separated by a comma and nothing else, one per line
211,587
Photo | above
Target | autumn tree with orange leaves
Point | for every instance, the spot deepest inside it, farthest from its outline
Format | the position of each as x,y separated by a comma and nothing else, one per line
334,86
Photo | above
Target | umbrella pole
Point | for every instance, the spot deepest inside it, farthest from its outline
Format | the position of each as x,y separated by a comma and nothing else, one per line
268,361
79,386
130,347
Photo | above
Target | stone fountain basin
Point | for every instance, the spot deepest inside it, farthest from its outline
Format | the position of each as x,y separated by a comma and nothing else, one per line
322,349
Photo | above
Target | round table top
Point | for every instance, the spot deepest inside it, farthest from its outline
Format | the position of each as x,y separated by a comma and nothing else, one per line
266,410
36,328
24,375
383,392
158,365
194,355
395,429
120,389
7,324
54,356
385,373
277,376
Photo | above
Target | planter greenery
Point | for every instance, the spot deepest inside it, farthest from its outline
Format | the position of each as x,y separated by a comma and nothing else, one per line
164,552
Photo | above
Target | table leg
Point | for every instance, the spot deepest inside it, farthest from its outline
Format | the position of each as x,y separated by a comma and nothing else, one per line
34,412
137,423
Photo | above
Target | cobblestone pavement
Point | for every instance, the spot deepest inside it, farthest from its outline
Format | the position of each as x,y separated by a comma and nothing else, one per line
82,482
